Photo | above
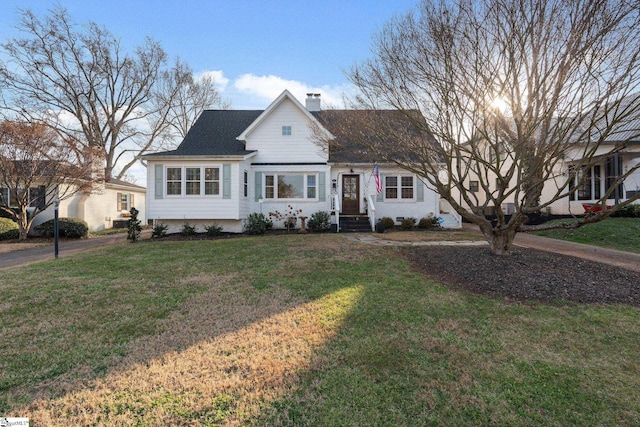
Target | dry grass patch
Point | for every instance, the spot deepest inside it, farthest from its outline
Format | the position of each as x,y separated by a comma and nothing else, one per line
221,357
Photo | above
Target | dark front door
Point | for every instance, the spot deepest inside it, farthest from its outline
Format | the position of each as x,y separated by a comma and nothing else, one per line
350,194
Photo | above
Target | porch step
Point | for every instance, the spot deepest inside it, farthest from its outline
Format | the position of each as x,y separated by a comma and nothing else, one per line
354,224
449,221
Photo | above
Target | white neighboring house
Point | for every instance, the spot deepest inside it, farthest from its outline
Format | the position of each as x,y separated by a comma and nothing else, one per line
106,206
236,162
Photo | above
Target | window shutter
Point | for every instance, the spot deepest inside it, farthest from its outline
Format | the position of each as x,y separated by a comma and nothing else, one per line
258,184
159,182
131,201
380,196
118,198
226,181
322,187
419,189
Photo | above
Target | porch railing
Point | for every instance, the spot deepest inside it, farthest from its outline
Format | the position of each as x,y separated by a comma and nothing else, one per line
371,212
336,209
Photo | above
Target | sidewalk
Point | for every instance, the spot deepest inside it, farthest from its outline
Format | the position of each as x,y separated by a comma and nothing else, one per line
65,249
628,260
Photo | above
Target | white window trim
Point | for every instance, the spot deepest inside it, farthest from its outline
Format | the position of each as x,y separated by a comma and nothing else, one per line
183,182
305,176
400,199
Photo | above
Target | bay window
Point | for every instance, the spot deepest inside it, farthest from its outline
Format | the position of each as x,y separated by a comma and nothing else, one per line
290,186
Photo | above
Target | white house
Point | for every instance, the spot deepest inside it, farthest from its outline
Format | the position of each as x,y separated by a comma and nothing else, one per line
236,162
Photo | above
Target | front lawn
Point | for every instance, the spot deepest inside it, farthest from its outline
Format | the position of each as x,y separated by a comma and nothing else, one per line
616,233
299,330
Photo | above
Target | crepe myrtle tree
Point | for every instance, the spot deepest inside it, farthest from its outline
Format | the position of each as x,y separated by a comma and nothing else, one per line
36,167
507,93
82,82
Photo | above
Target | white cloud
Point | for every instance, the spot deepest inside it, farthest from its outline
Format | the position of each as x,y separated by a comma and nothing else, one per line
221,82
264,89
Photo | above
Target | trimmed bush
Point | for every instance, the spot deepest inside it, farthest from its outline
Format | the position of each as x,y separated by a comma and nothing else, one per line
387,222
9,229
213,229
72,228
629,211
257,223
188,229
428,222
159,230
407,224
320,221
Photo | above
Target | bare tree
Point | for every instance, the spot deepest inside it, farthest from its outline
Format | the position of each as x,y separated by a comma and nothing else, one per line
36,167
80,81
509,93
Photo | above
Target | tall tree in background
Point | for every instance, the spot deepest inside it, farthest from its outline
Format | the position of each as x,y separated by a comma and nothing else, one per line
36,167
509,92
81,82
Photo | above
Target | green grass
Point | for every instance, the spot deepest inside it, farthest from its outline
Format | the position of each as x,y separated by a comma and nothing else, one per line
616,233
380,344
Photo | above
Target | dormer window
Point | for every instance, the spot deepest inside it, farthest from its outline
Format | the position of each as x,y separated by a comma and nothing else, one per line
286,130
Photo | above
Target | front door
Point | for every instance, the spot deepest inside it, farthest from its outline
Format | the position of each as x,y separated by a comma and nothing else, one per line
350,194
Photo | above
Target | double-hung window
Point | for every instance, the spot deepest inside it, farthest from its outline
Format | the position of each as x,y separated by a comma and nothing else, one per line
290,186
174,181
399,187
193,181
211,181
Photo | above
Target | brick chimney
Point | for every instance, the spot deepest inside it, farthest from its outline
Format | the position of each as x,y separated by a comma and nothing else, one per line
313,102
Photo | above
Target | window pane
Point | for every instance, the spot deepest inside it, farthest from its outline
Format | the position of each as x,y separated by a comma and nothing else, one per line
311,186
193,187
211,188
407,187
391,187
290,186
269,189
173,188
212,174
4,195
174,174
286,130
211,181
193,174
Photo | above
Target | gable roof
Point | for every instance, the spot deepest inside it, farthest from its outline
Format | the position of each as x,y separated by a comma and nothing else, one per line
272,107
223,132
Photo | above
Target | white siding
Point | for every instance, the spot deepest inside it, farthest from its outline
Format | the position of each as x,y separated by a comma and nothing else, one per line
273,147
193,207
408,208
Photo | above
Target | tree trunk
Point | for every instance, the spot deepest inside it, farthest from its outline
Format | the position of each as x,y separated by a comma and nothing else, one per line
500,239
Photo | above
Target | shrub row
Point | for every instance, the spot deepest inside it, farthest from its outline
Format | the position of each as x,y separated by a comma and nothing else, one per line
426,223
8,229
72,228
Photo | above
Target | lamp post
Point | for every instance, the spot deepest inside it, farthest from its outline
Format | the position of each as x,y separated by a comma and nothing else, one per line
56,205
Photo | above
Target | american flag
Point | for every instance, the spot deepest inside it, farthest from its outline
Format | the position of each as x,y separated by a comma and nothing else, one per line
376,173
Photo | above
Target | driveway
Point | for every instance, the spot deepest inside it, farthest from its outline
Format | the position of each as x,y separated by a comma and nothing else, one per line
66,248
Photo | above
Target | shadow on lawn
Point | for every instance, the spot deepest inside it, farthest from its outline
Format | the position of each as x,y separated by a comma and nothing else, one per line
223,354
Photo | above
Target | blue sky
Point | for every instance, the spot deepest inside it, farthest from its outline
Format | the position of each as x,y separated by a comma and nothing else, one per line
254,49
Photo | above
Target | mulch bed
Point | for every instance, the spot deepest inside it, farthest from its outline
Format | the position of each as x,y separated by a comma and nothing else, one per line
528,275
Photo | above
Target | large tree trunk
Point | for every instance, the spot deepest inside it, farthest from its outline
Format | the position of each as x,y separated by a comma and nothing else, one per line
500,238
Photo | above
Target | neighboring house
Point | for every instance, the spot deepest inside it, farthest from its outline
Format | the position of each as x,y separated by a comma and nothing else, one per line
106,206
614,158
236,162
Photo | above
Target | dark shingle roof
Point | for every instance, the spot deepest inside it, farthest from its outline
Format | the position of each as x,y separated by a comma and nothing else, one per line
214,134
